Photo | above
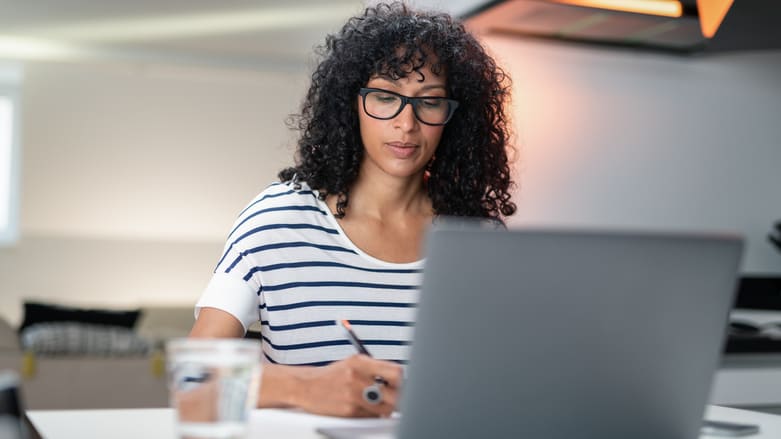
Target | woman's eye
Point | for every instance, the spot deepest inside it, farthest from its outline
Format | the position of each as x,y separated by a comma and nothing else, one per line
385,98
433,103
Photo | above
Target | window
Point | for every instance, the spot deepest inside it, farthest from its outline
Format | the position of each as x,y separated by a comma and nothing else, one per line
9,157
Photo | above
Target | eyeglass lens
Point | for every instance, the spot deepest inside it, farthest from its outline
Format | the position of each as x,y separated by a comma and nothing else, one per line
385,105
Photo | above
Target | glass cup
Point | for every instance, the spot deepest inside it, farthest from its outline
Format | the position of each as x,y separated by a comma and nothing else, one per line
214,384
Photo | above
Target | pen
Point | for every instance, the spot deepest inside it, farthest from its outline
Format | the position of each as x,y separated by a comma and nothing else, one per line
355,341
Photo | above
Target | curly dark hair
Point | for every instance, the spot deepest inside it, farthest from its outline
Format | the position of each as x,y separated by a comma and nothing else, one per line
470,174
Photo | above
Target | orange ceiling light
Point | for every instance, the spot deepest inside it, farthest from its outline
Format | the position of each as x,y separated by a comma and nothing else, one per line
712,13
665,8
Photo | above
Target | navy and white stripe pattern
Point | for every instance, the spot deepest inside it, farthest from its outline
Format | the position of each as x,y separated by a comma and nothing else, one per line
288,251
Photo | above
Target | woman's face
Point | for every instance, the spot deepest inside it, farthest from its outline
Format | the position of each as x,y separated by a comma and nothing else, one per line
401,146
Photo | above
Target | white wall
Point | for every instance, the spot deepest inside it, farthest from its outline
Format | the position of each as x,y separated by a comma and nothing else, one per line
149,152
621,138
132,175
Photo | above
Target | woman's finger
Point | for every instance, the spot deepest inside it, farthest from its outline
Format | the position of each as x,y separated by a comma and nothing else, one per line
370,368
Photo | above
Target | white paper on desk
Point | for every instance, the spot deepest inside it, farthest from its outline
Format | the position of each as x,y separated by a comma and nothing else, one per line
362,429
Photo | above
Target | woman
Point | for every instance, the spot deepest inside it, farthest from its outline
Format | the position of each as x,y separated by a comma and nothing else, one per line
340,236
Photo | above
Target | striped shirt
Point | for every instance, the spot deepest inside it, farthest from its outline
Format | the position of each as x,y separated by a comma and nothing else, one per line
288,263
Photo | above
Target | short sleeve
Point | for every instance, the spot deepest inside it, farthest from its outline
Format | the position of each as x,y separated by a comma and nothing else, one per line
235,286
231,294
228,290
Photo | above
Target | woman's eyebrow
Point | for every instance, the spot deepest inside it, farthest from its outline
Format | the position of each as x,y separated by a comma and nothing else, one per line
433,86
396,85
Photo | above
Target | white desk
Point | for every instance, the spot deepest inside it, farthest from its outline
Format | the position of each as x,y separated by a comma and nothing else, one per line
266,423
749,379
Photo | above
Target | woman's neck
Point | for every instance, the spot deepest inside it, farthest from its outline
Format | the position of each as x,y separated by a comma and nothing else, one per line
385,197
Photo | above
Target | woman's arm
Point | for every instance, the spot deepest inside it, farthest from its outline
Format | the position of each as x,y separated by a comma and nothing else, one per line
335,389
216,323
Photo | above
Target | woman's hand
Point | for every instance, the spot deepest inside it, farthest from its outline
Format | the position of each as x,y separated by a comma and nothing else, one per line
337,389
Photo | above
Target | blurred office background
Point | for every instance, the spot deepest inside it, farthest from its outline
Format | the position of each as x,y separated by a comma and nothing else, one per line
144,127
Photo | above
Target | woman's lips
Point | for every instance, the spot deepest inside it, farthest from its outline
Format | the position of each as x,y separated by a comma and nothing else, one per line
402,150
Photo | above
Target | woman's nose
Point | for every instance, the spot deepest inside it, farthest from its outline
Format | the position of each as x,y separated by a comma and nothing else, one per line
406,119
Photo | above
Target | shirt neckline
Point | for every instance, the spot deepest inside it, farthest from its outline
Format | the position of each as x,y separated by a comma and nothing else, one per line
354,247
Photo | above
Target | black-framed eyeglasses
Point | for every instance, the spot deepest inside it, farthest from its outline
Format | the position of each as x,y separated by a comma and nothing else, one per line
430,110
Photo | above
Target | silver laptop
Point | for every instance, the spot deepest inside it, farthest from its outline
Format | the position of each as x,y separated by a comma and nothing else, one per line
567,334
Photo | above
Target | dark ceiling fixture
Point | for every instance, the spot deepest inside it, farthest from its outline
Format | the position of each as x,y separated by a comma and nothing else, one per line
683,26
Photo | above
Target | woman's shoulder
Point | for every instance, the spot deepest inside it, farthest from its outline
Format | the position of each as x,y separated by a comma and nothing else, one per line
283,193
282,202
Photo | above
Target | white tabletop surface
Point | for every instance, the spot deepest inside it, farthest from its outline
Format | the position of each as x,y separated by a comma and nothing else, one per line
266,423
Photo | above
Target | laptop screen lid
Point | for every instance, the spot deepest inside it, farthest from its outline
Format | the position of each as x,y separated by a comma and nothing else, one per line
567,334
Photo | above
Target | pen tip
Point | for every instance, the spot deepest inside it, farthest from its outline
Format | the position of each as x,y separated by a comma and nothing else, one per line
346,324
